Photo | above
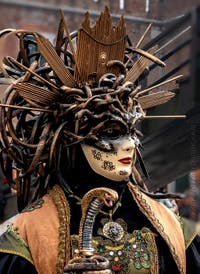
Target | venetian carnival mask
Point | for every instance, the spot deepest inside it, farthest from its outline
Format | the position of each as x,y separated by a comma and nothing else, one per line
116,163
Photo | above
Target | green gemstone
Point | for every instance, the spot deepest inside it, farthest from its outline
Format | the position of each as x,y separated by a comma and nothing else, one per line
137,265
100,250
145,264
136,253
38,206
146,256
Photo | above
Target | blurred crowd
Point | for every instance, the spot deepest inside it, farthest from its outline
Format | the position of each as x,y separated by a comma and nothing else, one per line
4,191
8,201
189,206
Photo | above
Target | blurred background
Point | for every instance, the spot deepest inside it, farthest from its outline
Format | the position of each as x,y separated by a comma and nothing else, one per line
171,146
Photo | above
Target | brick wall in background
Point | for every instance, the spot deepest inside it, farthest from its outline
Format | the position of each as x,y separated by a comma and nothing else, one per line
171,8
17,13
44,16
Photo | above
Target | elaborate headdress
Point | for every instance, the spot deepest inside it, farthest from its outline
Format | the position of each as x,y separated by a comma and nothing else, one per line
61,95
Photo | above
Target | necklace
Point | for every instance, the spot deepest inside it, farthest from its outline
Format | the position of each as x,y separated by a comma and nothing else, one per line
111,230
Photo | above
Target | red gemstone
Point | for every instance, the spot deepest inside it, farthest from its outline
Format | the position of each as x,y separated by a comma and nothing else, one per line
116,267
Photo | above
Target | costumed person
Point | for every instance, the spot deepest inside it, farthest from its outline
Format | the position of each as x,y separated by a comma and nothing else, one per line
69,123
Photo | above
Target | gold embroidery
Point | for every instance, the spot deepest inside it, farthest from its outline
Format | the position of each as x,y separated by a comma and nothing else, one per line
137,252
63,209
147,211
14,232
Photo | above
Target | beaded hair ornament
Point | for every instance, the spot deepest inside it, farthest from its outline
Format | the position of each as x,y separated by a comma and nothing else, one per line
63,94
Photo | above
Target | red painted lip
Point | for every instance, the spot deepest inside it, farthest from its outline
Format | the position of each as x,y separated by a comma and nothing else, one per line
126,160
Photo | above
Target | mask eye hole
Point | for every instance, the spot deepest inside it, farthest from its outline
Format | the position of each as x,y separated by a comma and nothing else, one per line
112,131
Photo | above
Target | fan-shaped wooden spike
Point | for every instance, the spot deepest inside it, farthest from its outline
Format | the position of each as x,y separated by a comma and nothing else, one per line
55,61
155,99
98,45
147,90
36,94
59,37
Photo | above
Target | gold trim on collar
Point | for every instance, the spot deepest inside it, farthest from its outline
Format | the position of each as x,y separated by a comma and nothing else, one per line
63,210
165,223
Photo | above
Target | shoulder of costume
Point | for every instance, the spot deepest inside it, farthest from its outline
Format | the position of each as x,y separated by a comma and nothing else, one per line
12,240
28,230
12,243
190,230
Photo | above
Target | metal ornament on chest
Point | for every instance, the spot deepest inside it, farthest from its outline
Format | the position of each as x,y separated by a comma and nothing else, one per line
113,231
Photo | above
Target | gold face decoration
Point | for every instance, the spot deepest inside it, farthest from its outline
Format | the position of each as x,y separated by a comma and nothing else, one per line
115,164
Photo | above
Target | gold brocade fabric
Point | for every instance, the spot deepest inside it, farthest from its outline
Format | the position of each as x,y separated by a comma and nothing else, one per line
165,222
136,253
